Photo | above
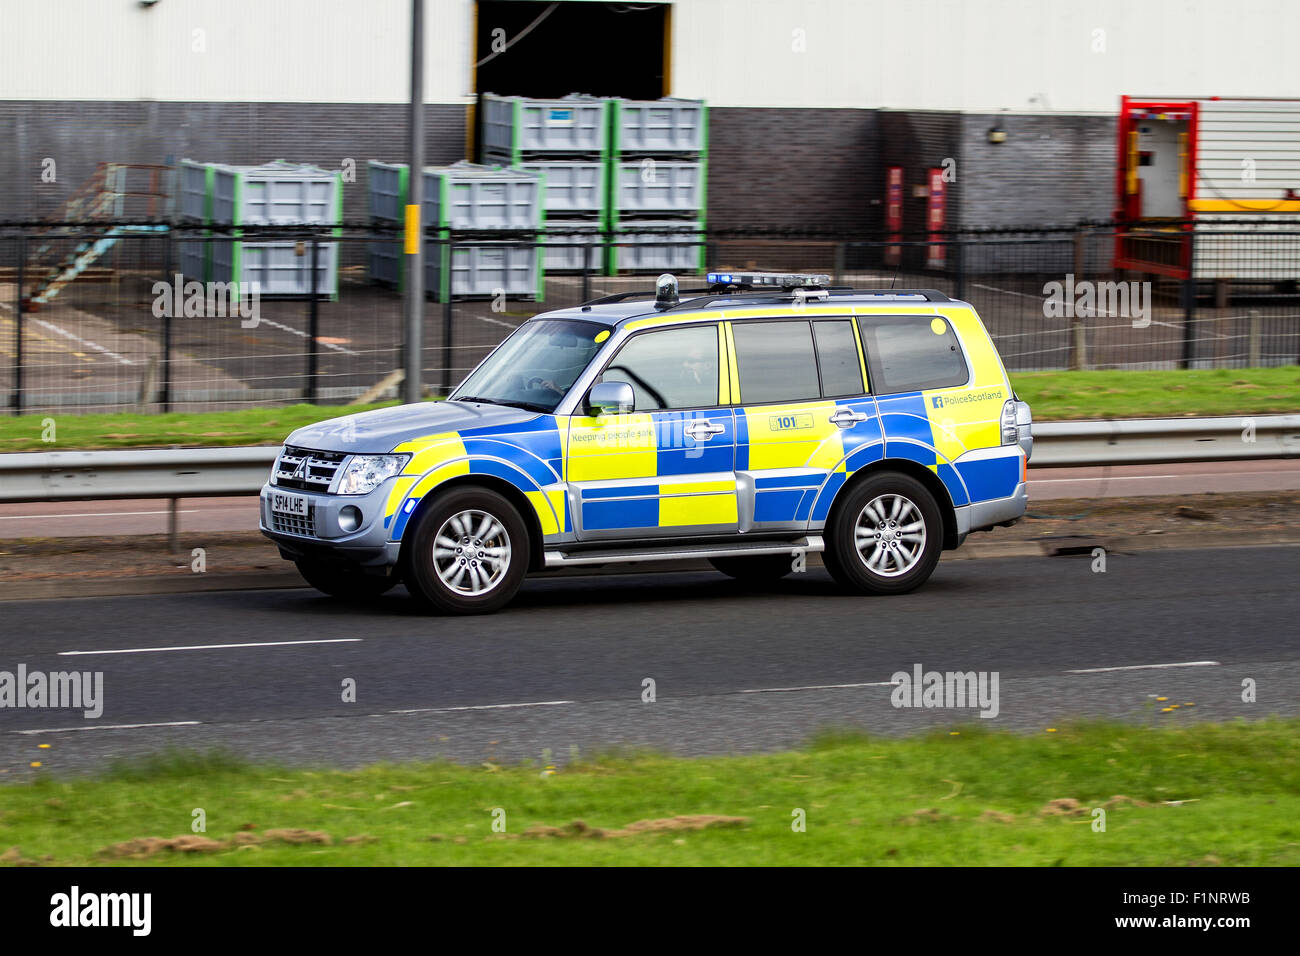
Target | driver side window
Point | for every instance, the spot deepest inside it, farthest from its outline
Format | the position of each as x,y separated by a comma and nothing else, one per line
669,368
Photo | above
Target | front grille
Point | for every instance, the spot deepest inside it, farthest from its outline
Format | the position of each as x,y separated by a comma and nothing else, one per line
296,524
307,469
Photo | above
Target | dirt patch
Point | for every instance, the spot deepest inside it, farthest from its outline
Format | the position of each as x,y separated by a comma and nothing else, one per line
580,829
145,847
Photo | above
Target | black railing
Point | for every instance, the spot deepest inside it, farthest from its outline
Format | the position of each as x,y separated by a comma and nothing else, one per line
153,322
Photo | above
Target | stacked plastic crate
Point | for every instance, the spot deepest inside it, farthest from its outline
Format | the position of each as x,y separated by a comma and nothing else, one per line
658,171
566,141
499,208
276,193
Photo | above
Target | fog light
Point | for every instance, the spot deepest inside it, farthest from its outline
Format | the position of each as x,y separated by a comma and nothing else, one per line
349,518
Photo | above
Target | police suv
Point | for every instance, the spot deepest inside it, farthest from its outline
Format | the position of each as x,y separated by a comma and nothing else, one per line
748,423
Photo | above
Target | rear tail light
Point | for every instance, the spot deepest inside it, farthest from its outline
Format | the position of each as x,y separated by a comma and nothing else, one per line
1010,431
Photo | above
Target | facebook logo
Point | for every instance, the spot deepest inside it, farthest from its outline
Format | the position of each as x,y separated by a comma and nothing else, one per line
937,401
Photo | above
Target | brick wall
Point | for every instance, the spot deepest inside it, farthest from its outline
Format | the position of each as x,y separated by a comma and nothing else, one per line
77,135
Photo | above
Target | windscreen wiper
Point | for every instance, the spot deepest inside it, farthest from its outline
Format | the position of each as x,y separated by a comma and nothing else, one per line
527,406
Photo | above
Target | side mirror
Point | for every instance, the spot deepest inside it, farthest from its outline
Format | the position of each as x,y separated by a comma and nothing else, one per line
611,398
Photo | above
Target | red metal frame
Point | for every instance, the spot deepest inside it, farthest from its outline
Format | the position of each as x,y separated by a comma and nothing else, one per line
1128,207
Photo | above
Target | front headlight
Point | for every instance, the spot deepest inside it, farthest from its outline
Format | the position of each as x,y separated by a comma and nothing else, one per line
367,472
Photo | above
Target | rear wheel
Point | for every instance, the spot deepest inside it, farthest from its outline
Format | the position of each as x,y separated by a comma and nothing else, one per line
468,553
340,581
756,568
885,537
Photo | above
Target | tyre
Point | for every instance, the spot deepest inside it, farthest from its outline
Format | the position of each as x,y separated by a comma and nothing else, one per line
756,568
349,584
468,552
885,537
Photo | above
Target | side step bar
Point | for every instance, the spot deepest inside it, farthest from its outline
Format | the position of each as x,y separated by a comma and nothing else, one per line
561,559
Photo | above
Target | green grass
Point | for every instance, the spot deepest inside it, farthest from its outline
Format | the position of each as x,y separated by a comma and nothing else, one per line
1205,794
1054,396
256,426
1058,396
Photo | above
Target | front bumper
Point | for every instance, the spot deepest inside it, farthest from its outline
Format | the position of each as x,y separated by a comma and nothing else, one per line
321,536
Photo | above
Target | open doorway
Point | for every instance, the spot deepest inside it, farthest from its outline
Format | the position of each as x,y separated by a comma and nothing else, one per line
545,50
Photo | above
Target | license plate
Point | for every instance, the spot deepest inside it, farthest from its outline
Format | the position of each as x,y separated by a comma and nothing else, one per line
283,503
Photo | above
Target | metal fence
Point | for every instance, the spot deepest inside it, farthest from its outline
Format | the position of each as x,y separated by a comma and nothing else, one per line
102,316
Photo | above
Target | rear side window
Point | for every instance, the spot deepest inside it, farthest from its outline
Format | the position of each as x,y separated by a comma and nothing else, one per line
776,362
911,353
837,354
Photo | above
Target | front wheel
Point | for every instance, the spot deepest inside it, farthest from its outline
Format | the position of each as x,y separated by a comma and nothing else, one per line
886,536
339,581
468,552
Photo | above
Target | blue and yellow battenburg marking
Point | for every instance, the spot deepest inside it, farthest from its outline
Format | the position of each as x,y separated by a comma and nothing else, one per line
639,471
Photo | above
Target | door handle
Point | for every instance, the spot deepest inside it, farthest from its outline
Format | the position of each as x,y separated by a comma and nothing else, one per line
703,431
846,417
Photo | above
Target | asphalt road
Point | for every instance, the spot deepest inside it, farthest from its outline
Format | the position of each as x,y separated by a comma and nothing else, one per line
734,669
149,516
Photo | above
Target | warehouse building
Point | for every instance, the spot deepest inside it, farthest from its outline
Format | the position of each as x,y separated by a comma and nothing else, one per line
844,116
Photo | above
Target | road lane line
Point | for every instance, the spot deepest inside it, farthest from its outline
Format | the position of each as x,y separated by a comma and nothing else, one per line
65,730
210,647
1144,667
788,690
444,710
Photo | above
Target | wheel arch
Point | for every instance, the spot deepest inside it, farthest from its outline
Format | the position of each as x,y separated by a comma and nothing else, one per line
512,493
932,482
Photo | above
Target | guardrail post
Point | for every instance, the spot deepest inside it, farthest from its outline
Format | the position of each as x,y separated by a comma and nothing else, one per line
173,521
313,327
1252,338
1079,331
838,277
18,327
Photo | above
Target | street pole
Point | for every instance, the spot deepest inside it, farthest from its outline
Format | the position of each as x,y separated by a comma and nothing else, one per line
414,303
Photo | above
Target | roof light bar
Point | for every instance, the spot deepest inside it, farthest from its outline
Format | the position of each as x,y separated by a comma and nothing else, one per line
776,280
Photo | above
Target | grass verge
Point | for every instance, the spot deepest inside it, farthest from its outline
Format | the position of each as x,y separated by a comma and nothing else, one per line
1054,396
1060,396
1203,794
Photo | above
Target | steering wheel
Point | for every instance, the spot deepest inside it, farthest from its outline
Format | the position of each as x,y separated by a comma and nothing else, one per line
537,381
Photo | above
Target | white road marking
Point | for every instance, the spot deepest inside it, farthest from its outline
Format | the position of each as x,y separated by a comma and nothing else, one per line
98,514
211,647
65,730
58,330
1144,667
286,328
788,690
446,710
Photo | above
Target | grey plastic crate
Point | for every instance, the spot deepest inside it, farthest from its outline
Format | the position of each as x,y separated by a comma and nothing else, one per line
573,187
661,246
279,268
566,253
484,270
572,125
469,196
384,263
660,127
386,186
194,190
277,192
657,186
